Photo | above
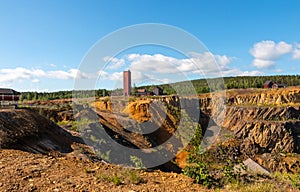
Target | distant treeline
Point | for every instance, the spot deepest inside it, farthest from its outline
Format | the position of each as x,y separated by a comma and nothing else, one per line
201,86
241,82
63,94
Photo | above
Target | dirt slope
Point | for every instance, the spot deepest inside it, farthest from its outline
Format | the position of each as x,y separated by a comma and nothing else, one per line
22,171
26,130
66,168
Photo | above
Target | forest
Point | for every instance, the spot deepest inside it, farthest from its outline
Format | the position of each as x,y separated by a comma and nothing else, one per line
201,86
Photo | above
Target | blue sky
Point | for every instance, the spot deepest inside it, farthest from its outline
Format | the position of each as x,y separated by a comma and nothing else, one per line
42,43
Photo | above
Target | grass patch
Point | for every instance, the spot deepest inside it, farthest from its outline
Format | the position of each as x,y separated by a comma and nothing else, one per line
110,178
256,187
123,177
293,179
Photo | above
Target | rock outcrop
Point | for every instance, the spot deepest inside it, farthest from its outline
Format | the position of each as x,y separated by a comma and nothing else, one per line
26,130
265,129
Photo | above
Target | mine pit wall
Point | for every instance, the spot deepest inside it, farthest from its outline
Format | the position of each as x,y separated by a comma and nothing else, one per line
265,120
266,97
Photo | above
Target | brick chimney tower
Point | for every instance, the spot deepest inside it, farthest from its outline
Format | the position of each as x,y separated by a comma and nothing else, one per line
127,83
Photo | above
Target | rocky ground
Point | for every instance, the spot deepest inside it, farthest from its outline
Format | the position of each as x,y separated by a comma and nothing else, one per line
23,171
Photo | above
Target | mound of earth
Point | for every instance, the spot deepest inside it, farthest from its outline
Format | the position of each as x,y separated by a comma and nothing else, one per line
26,130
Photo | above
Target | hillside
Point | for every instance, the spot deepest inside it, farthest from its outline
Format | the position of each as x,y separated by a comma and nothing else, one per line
259,124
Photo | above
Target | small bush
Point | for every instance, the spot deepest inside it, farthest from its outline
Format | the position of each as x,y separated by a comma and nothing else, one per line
200,173
116,180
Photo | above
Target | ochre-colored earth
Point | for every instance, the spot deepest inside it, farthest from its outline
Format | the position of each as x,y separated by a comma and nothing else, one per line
23,171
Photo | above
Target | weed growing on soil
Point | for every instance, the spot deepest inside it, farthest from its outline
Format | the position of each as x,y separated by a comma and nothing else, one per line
197,169
124,177
133,178
294,179
110,178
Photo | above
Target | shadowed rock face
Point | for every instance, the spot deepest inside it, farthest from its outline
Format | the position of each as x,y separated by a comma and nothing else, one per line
265,129
28,131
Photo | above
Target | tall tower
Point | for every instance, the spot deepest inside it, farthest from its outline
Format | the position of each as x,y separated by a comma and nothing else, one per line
127,83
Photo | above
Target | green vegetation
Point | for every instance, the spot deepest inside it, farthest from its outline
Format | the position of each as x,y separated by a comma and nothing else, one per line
63,94
293,179
241,82
200,173
110,178
123,177
75,125
257,187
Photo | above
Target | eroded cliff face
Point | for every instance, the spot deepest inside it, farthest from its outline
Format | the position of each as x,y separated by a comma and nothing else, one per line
264,97
263,121
267,123
269,129
267,119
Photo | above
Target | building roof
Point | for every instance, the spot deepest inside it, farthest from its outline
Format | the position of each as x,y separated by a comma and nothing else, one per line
268,82
4,91
141,90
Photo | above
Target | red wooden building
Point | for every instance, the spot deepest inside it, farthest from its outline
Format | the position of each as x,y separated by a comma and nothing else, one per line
9,97
272,84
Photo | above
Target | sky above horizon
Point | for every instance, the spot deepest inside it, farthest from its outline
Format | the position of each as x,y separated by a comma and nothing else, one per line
43,43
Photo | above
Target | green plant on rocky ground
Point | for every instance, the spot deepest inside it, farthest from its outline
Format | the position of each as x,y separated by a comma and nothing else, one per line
200,173
75,125
256,187
110,178
232,172
123,177
295,180
197,169
292,178
133,178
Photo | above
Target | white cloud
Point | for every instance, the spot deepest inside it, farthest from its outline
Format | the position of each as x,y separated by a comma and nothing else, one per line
20,74
265,53
114,63
206,62
210,64
160,68
154,63
260,63
223,60
296,53
251,73
52,65
269,50
35,80
116,76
